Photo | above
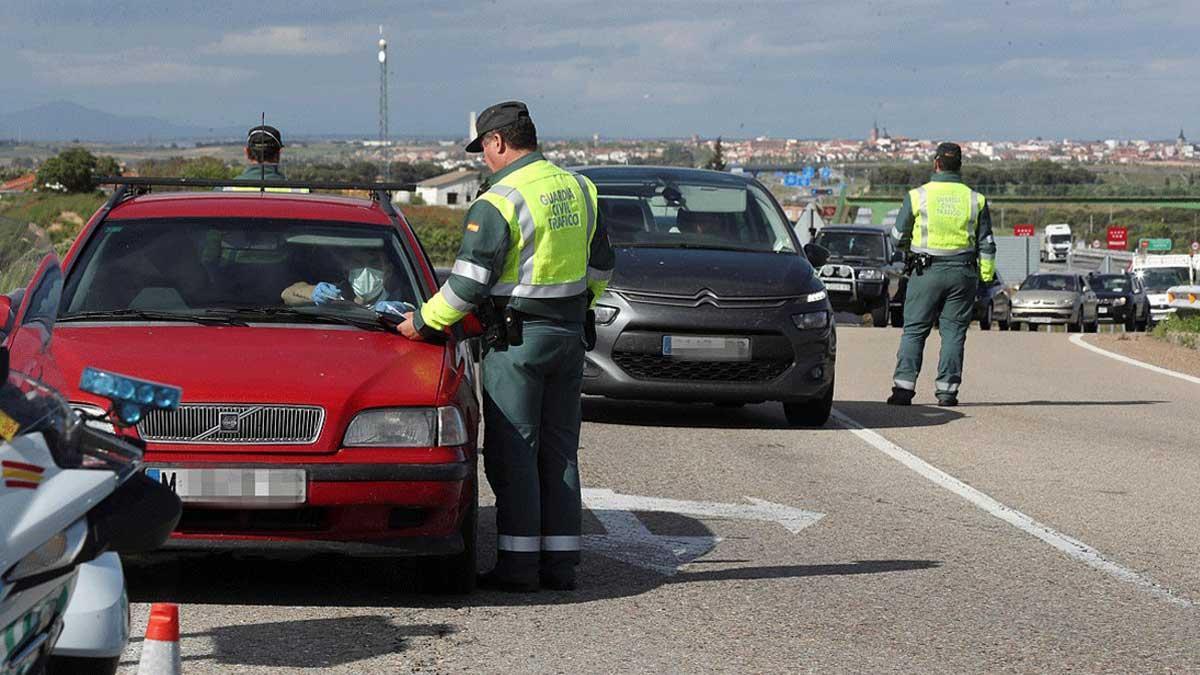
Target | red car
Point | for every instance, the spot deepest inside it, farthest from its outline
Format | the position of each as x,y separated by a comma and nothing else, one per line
305,422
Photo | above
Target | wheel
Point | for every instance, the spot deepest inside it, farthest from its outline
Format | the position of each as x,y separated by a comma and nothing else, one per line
985,321
1131,323
879,315
1076,326
79,665
1145,324
1093,327
1033,328
810,413
898,318
455,574
1006,323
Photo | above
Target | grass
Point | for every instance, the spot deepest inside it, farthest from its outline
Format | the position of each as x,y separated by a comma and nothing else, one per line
61,215
1182,330
440,230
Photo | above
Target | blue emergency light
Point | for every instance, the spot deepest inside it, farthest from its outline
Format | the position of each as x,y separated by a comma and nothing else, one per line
131,397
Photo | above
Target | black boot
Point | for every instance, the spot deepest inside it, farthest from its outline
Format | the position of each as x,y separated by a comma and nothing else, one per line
901,396
947,400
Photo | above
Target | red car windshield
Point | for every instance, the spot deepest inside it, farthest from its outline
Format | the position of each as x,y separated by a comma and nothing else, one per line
188,266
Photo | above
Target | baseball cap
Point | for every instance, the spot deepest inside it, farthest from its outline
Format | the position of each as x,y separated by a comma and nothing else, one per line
496,117
264,135
948,151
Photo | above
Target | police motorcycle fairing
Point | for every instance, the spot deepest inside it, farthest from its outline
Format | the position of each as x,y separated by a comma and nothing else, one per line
71,498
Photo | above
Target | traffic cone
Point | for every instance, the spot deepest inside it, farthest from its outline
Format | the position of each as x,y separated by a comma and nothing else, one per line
160,651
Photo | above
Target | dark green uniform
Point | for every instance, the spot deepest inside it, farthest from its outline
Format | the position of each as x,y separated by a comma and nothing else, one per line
262,172
952,224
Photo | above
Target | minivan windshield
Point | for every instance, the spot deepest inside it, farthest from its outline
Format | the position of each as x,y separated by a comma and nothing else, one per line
852,244
1159,279
693,215
209,268
1050,282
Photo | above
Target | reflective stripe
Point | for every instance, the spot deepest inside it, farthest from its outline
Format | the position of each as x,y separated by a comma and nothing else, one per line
942,252
905,384
599,275
896,234
587,200
923,215
989,239
560,543
566,290
470,270
947,387
987,256
974,215
528,243
508,542
456,303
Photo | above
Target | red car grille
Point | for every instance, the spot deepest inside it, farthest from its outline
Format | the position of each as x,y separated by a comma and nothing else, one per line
243,424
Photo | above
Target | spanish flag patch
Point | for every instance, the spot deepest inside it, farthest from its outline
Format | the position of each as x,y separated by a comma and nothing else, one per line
472,227
21,475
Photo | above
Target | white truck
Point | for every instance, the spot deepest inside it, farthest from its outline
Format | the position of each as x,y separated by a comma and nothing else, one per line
1159,273
1056,242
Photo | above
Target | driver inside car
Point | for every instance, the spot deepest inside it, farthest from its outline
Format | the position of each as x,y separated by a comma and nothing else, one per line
363,283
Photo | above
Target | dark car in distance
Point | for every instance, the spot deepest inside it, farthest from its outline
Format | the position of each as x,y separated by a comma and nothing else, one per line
864,272
993,304
713,299
1121,298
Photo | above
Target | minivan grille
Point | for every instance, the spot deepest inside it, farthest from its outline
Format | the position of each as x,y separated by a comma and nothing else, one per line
658,367
219,423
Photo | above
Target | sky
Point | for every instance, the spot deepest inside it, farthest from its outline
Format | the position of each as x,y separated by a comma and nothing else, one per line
998,69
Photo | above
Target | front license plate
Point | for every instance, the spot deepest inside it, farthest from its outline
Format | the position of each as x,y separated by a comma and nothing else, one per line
1102,310
1040,319
692,348
241,488
836,286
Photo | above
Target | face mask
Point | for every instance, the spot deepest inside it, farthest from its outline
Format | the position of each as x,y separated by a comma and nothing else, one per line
367,283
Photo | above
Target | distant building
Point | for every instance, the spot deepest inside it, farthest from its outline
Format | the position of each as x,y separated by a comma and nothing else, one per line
456,188
22,184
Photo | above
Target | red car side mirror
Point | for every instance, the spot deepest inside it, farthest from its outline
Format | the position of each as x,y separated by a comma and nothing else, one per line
6,314
472,326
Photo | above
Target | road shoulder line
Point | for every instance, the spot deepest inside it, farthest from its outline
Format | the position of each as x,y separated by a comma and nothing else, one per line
1078,340
1068,545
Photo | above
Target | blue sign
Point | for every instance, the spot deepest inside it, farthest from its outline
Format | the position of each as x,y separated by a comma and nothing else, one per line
791,180
808,171
805,181
826,172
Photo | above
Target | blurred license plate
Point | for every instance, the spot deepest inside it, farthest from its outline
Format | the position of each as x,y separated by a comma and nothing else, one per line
1102,310
1040,319
836,286
234,487
691,348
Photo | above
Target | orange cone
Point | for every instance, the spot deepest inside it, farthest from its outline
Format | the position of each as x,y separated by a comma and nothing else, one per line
160,651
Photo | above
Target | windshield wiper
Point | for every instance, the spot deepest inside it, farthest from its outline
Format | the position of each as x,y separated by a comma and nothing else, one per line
291,313
153,315
699,247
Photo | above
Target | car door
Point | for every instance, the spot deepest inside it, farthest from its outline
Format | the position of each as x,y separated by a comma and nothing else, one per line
32,326
1000,300
1089,307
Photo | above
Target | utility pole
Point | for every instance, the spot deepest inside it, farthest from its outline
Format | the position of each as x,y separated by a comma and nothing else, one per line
383,105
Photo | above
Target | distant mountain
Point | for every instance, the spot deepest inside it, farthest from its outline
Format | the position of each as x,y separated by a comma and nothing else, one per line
65,121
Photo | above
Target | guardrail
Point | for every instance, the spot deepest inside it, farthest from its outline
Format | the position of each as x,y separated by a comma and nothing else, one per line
1099,260
1184,299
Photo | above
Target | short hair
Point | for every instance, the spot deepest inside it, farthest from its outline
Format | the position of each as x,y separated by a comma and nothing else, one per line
520,135
951,163
264,153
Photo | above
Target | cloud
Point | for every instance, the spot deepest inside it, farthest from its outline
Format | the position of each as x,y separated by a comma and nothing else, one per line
287,41
131,67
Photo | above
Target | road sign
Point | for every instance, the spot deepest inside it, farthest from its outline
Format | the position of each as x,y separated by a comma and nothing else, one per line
1156,245
817,192
828,211
791,180
1023,230
1096,243
1118,237
826,172
1195,246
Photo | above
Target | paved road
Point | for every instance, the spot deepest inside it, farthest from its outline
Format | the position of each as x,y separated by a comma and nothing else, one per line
901,574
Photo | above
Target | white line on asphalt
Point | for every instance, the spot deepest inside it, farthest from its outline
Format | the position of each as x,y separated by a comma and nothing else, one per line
1078,339
1072,547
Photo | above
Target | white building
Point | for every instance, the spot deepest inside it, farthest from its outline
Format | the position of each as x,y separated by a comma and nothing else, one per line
456,188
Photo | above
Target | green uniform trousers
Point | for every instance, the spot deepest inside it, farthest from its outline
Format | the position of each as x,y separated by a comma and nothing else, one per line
532,414
945,294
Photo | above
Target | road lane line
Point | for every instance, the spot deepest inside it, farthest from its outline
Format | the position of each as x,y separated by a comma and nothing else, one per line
1068,545
1078,340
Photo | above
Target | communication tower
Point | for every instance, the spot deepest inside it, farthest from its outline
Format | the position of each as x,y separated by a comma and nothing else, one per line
383,103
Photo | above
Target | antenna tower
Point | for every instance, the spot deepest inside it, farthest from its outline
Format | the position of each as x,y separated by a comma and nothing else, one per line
383,102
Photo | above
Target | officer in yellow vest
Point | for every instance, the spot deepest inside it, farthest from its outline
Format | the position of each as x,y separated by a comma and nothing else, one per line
535,250
947,226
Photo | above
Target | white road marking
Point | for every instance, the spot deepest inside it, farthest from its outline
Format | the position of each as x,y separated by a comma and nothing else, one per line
1078,339
627,539
1068,545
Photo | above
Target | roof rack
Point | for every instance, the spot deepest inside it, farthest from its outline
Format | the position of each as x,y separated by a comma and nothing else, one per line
149,182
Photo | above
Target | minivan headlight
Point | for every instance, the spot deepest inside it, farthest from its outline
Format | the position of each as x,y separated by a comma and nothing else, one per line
870,275
811,320
605,314
407,428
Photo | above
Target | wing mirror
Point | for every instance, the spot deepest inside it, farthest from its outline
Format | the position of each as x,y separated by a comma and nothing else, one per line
817,254
6,315
3,365
897,256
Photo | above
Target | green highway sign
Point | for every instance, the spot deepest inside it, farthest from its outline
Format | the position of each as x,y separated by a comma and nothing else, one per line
1155,245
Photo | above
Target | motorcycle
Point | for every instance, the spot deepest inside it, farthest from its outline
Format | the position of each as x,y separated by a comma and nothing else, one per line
72,498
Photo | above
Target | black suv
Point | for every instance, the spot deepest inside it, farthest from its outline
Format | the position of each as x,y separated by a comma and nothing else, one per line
1121,298
864,273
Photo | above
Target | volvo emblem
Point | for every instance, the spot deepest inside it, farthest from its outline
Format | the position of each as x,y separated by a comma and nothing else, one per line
230,422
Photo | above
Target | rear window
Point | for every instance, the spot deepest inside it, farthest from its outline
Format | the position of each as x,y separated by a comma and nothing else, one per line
183,265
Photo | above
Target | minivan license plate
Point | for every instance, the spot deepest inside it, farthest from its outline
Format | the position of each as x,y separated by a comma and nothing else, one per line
693,348
240,488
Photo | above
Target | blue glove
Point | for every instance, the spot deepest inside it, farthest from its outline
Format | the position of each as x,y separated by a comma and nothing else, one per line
324,292
397,307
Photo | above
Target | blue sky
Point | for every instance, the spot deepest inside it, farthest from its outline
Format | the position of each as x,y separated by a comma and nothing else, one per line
929,68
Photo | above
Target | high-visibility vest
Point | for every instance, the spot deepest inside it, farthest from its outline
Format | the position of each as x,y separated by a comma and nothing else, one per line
551,215
946,215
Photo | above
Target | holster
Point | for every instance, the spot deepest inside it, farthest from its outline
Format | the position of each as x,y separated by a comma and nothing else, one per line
589,331
503,326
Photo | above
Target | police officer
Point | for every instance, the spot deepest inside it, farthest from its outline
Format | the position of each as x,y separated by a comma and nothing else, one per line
264,145
946,225
534,247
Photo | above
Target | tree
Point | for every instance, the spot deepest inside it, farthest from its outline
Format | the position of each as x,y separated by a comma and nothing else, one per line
107,166
677,155
72,170
717,161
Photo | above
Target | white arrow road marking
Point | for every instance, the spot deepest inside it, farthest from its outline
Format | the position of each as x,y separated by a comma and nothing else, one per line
628,540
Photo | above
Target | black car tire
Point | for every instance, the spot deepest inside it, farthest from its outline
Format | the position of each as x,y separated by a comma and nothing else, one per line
1093,327
985,321
1131,322
1006,323
1033,327
1076,326
455,574
811,413
898,318
879,315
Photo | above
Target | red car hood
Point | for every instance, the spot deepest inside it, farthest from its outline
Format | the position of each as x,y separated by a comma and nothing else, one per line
343,370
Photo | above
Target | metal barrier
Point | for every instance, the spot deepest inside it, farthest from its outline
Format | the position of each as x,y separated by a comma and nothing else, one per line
1184,299
1098,260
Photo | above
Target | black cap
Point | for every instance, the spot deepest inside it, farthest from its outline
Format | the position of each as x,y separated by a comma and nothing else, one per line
949,151
264,136
496,117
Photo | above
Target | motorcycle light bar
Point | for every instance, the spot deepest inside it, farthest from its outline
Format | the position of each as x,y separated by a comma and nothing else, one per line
131,397
166,181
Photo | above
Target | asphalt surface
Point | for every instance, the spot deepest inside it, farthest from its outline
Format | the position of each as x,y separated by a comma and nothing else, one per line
899,575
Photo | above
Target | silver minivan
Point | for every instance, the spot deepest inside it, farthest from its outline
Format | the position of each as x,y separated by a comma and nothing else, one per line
1056,298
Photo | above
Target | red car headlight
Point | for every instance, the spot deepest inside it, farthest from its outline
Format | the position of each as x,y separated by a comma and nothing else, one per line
407,428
